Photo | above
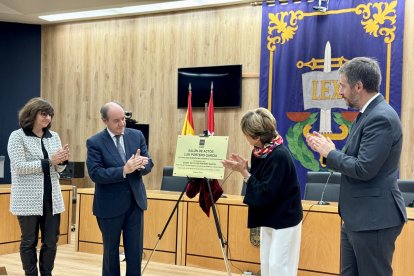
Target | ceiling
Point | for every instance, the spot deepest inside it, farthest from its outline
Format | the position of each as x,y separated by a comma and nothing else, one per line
27,11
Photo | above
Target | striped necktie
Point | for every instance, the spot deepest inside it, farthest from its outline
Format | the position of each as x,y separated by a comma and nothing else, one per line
120,148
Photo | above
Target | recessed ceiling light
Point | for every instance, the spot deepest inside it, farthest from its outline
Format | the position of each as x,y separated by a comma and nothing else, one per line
139,9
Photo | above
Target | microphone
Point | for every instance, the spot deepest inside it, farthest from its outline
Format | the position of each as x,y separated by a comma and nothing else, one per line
322,202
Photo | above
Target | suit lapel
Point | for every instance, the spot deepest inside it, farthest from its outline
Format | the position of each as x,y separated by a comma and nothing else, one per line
128,139
367,111
357,125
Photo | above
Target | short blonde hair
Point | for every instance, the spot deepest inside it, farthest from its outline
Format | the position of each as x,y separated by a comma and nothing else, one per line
259,123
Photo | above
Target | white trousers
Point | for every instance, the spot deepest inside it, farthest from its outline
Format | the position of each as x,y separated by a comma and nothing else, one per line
279,250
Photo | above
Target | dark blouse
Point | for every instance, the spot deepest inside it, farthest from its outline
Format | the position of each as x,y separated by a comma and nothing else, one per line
47,192
273,191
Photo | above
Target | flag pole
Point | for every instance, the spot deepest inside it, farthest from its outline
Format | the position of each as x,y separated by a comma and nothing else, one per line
210,113
188,127
206,117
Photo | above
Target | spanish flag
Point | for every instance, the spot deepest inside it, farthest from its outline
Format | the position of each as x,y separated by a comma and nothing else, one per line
188,127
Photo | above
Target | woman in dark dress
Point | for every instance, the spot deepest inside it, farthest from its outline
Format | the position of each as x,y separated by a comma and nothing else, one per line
272,194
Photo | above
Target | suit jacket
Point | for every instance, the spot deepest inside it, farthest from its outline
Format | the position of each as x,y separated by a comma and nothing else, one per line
369,197
113,192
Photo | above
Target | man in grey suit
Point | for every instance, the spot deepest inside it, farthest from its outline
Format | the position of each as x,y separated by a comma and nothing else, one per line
370,202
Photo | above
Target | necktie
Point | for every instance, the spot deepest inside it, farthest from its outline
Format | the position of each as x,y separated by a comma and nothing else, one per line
351,133
356,121
120,148
358,117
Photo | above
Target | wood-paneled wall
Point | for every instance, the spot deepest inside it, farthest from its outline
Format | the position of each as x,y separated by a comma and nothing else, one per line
134,61
407,101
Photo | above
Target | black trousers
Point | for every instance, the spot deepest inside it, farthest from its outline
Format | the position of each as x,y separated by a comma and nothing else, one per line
367,253
49,226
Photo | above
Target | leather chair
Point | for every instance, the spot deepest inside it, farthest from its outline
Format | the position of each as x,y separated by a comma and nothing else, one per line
172,183
407,191
316,182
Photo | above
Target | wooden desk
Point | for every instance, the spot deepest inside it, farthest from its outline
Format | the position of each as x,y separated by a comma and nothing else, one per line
88,237
320,251
9,227
321,235
404,248
191,238
76,183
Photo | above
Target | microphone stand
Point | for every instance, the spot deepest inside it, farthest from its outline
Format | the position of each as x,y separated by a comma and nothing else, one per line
322,202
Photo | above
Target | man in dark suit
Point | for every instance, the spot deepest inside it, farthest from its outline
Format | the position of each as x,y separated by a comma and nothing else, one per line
370,202
117,159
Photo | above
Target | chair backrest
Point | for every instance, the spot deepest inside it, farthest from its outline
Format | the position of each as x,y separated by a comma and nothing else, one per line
407,190
172,183
315,183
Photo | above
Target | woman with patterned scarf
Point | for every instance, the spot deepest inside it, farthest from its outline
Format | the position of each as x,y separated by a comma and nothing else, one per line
272,194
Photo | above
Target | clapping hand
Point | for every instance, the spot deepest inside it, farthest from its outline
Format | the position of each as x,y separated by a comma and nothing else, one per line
319,143
61,155
141,160
135,162
236,163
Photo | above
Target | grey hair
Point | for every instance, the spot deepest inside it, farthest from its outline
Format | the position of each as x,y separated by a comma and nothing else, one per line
105,108
363,69
260,123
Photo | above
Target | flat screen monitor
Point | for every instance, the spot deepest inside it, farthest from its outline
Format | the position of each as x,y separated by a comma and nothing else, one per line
227,86
144,128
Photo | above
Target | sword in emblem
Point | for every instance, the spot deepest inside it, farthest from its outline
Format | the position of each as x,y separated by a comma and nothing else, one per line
325,115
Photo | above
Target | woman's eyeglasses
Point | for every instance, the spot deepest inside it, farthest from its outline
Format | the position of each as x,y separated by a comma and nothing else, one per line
44,114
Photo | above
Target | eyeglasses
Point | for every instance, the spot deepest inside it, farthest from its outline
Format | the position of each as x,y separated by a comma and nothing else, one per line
44,114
